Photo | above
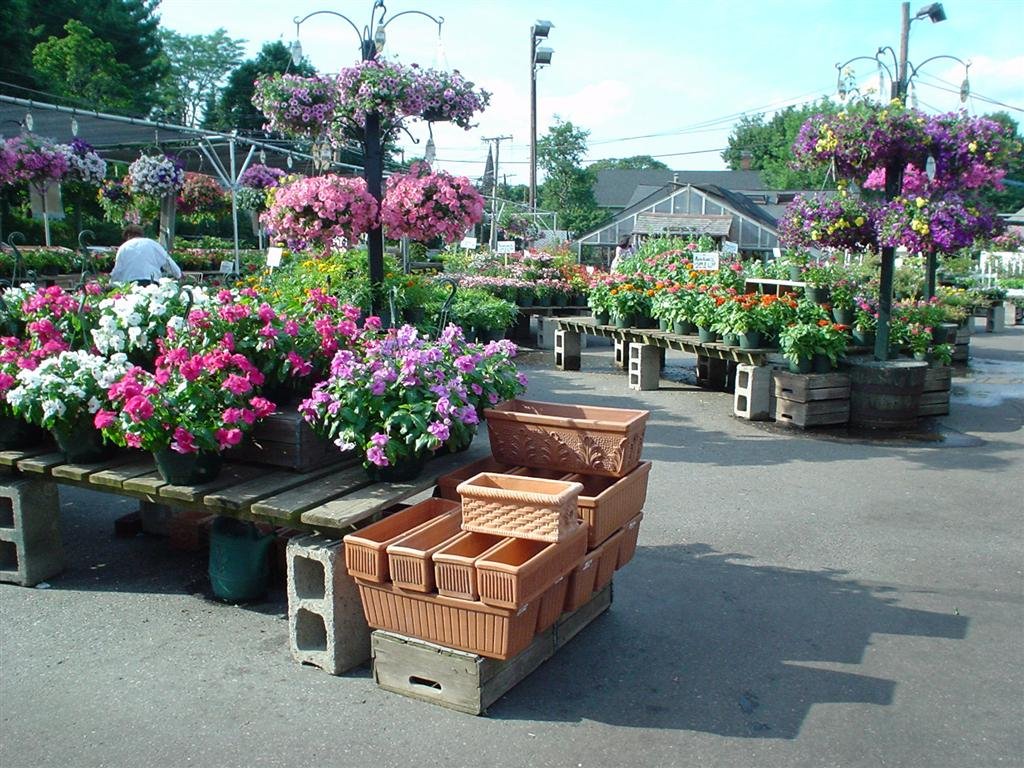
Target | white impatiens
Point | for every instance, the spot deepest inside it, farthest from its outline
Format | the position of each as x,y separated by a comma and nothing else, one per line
67,388
133,320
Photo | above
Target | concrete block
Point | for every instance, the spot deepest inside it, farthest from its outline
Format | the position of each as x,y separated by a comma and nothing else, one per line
326,625
621,355
715,373
31,548
156,518
753,397
644,367
995,320
567,350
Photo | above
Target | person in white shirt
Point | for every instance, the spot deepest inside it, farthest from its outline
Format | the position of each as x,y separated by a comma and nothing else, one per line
141,260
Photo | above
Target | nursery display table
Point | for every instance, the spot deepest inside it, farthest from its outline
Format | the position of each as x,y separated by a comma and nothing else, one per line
331,498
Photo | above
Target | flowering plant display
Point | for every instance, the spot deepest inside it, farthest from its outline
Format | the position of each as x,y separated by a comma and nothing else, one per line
16,355
705,305
802,340
319,209
251,199
65,389
156,176
33,159
259,176
919,338
115,198
865,313
84,163
50,319
928,225
631,296
201,198
819,220
192,402
450,97
422,205
296,105
743,313
132,318
399,400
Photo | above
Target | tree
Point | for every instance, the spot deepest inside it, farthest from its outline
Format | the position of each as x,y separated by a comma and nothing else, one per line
233,109
81,66
197,65
1011,198
768,145
568,188
634,163
15,45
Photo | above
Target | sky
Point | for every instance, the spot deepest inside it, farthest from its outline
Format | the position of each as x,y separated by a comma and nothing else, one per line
667,78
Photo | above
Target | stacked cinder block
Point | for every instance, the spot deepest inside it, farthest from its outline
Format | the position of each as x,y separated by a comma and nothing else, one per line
326,627
645,363
31,549
752,399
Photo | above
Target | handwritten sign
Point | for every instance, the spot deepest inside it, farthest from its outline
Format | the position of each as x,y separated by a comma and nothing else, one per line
274,256
706,261
227,267
468,243
729,247
777,253
506,246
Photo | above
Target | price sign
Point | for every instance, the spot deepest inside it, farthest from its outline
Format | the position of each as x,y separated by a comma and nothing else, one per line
227,267
506,246
468,242
274,256
777,253
729,247
706,261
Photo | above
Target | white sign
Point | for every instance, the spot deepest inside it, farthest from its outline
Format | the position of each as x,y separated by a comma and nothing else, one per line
729,247
274,256
506,246
227,267
777,253
468,243
706,261
52,205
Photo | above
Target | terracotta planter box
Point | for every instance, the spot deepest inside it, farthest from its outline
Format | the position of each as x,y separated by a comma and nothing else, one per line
571,438
467,626
606,504
447,484
581,581
627,547
366,550
551,604
455,564
607,559
519,507
521,570
409,558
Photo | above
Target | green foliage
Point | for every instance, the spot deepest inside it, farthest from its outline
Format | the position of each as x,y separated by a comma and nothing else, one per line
82,66
1011,198
634,163
233,108
770,142
198,64
476,308
568,188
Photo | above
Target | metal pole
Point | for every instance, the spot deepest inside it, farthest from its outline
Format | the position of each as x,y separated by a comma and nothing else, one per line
494,197
533,121
374,165
901,77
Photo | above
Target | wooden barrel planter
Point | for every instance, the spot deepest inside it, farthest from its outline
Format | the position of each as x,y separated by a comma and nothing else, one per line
885,394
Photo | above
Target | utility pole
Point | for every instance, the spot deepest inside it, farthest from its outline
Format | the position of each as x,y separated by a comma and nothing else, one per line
493,240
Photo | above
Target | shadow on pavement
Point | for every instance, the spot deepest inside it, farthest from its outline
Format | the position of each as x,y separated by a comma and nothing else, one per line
721,647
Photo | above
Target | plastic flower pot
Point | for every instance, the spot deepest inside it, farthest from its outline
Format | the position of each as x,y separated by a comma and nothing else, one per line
803,365
705,335
238,560
81,443
821,364
187,468
863,338
602,318
624,321
731,339
750,340
683,328
843,316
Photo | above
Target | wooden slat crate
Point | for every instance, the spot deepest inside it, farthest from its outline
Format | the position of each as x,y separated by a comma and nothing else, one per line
284,439
810,400
935,398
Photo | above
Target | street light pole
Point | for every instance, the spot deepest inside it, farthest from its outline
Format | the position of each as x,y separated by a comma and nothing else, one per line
537,31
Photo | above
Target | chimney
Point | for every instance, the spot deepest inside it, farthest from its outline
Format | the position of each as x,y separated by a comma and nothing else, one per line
745,158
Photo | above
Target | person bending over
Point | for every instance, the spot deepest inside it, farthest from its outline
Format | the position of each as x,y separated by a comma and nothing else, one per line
141,260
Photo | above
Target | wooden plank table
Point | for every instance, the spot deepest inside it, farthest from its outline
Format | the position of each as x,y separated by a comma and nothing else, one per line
331,499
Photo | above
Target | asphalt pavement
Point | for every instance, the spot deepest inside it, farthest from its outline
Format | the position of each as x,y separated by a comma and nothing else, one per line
797,599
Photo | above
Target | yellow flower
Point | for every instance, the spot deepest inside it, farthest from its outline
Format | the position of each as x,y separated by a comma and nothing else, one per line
920,202
973,146
859,221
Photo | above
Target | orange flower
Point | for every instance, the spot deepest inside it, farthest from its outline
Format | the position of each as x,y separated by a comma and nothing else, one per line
824,323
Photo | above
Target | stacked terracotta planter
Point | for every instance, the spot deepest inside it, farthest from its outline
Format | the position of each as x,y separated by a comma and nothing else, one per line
507,547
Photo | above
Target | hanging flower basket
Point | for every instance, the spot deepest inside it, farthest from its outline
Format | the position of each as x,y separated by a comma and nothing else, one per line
422,205
156,176
320,209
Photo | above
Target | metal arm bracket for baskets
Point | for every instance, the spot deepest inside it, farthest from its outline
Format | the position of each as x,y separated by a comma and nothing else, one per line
84,237
19,260
442,319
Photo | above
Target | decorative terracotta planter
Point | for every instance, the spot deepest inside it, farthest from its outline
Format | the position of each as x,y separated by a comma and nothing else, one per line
409,558
552,602
567,438
523,507
581,581
455,564
366,550
519,571
447,484
630,535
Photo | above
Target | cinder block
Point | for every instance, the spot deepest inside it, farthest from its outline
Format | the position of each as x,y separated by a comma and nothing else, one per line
753,397
621,355
326,624
567,350
995,320
31,549
189,530
715,373
644,367
156,518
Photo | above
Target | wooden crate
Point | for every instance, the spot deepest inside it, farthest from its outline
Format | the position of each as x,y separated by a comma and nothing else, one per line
810,387
935,398
810,400
938,379
464,681
285,440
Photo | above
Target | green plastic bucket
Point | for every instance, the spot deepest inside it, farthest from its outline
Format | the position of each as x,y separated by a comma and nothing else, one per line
238,560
